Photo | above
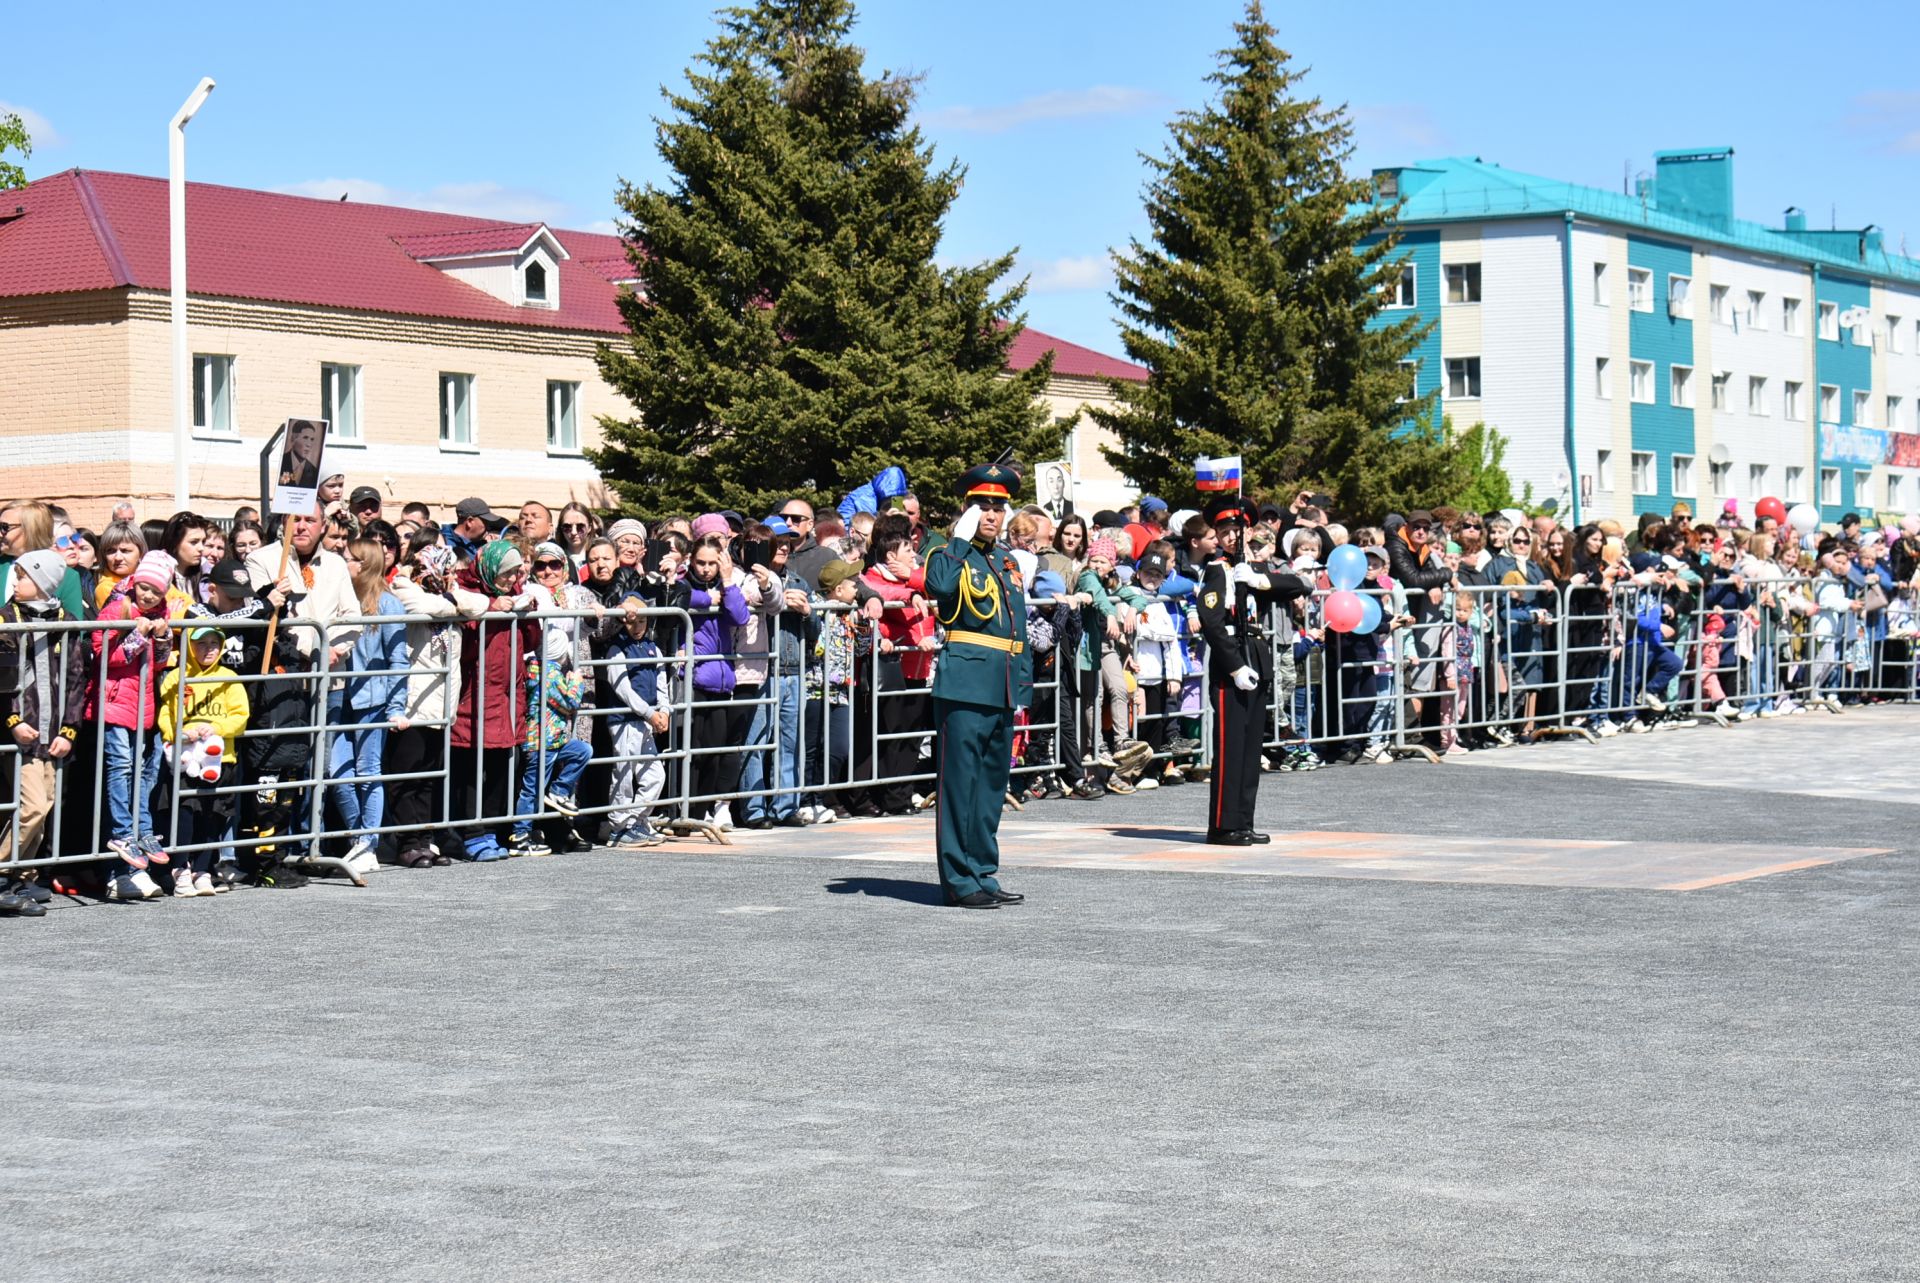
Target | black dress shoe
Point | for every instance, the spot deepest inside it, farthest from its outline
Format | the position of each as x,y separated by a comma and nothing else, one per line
1229,837
1256,837
762,823
1007,897
978,900
14,906
32,891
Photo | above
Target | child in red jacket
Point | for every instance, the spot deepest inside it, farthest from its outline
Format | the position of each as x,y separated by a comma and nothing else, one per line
125,701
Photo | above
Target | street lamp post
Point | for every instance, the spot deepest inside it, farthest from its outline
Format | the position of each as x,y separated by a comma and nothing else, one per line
177,267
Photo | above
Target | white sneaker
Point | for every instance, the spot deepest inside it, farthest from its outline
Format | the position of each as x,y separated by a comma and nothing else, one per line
1146,782
122,888
1653,701
824,815
203,884
1727,708
1771,712
723,817
183,883
1606,728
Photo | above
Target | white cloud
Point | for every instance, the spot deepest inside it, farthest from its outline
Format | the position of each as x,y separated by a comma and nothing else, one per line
1892,116
482,200
39,128
1395,124
1065,275
604,226
1059,104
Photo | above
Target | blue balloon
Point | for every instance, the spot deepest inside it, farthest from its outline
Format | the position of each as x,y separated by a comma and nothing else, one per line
1369,606
1347,567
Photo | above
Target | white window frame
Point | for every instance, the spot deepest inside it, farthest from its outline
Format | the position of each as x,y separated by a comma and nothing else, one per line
1603,377
1470,378
1757,395
1757,474
1756,309
1862,409
1720,479
1829,407
1602,289
1411,368
1794,488
544,297
1720,303
1640,381
1893,334
1829,486
1896,411
340,390
1640,289
1791,391
1403,291
1722,380
471,445
213,388
563,412
1896,492
1467,278
1790,317
1679,295
1829,322
1641,472
1603,469
1680,468
1680,386
1862,487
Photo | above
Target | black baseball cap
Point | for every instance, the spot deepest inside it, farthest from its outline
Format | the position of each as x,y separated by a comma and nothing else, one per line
363,494
469,508
230,575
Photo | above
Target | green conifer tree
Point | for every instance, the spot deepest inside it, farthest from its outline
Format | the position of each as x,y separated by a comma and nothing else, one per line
790,330
1251,305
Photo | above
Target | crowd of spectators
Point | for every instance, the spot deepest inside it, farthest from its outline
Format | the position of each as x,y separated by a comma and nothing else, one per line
497,685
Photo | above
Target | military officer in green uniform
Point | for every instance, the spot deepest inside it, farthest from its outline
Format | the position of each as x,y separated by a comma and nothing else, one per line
983,674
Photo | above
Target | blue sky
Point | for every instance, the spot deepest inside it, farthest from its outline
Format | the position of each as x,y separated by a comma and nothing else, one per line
534,111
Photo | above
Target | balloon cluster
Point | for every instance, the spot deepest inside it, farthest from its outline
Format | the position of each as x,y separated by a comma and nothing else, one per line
1346,610
1803,517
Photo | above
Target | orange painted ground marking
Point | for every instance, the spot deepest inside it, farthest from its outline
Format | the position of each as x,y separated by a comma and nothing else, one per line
1761,872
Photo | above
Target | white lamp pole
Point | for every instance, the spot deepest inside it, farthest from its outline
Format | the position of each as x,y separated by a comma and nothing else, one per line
177,268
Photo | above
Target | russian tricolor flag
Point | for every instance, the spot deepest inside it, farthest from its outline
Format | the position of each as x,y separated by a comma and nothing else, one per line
1217,474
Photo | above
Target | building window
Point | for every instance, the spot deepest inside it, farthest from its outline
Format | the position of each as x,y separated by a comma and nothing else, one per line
1720,298
1721,378
1463,282
1756,395
563,428
1896,492
1602,286
1683,474
1893,333
1829,403
1640,289
1643,472
1790,406
536,279
1640,381
1862,409
1862,486
1896,414
340,401
1829,485
1790,317
1796,485
1722,479
1756,481
456,409
1463,376
1680,385
1603,469
1403,292
1410,388
1830,322
213,394
1679,295
1603,378
1756,310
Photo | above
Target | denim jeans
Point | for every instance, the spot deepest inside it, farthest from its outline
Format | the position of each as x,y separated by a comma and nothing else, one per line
564,765
786,798
354,756
130,806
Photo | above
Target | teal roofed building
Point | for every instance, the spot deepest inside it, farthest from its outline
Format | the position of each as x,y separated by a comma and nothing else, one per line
1649,347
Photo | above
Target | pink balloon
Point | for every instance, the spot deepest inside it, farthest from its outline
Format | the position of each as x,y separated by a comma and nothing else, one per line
1343,611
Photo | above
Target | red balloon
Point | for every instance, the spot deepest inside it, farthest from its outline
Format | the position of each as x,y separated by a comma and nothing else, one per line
1343,611
1771,507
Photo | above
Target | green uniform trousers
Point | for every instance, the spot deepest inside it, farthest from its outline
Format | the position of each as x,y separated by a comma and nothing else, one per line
975,747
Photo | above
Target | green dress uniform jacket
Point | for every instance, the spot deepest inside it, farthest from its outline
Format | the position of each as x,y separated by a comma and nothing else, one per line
985,672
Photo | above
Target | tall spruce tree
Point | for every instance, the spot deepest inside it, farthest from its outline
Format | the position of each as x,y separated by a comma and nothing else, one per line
1251,306
791,331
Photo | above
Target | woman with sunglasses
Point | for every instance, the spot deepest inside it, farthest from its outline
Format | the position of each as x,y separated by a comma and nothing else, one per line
577,528
1526,615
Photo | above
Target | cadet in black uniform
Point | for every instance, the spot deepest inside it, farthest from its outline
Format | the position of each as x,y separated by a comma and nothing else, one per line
1234,599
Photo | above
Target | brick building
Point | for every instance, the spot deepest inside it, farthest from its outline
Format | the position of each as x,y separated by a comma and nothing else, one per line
453,355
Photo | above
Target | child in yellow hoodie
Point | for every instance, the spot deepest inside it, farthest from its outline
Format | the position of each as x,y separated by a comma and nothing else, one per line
201,723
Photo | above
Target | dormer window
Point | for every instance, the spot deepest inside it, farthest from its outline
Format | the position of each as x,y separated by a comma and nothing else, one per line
536,283
517,263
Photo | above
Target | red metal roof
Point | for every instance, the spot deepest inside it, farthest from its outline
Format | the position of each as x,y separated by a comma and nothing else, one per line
94,230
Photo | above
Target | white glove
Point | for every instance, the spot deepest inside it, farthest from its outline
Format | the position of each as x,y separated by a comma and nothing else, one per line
1245,574
1245,678
968,524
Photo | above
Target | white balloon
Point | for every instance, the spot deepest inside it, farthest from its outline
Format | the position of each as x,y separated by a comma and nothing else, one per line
1804,517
